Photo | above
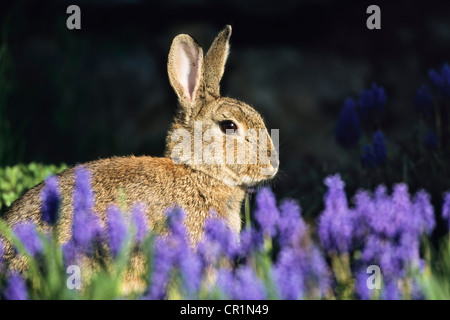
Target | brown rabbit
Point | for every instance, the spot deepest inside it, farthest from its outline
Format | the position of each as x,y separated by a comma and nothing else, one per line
198,184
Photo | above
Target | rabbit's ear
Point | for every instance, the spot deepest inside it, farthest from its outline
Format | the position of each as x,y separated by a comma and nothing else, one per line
185,68
215,60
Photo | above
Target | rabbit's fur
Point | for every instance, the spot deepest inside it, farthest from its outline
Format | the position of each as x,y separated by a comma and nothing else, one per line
162,182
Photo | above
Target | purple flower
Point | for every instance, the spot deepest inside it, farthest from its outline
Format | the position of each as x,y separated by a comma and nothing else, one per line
191,271
424,101
430,140
335,223
51,199
441,81
348,129
390,290
86,229
389,213
220,240
242,285
291,227
169,251
402,207
364,211
379,148
28,236
266,211
250,241
316,270
1,254
372,102
16,288
301,270
83,196
374,155
424,212
251,287
117,230
361,289
225,282
175,222
70,253
446,208
288,275
140,223
86,226
407,252
162,264
394,225
373,249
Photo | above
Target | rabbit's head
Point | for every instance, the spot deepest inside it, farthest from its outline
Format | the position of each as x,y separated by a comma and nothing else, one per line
222,137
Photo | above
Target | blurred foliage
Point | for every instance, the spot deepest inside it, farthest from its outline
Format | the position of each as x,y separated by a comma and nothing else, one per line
435,281
15,180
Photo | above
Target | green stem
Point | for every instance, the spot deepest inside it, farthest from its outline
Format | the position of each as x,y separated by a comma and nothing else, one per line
247,211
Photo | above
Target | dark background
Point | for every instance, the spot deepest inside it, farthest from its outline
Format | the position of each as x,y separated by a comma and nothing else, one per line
80,95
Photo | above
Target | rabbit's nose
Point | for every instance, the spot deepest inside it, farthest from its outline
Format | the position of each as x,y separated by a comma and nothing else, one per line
275,163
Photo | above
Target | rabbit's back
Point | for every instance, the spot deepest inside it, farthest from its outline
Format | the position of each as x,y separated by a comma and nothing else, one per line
158,183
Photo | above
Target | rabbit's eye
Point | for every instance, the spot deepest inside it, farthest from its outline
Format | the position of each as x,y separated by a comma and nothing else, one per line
228,125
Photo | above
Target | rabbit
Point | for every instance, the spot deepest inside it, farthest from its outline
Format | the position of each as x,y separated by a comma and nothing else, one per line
198,187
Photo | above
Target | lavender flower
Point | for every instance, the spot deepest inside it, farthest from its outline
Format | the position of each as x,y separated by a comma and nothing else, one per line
191,272
1,254
266,211
446,208
335,223
348,129
251,287
70,253
424,101
424,212
390,212
316,270
390,290
243,285
361,215
374,155
83,196
393,226
219,238
402,207
288,275
117,230
86,226
51,199
372,102
163,261
373,249
28,236
379,148
291,227
86,229
16,288
441,81
430,140
250,241
169,251
361,289
140,223
175,222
